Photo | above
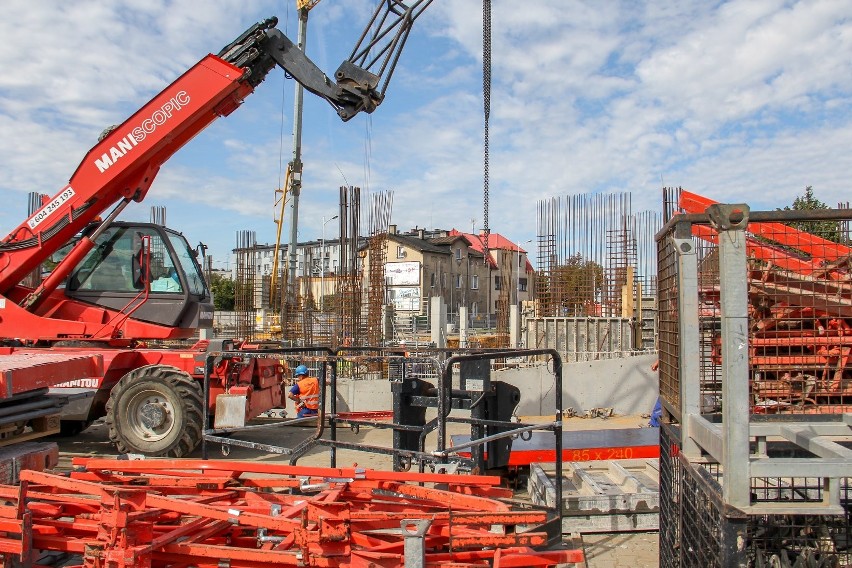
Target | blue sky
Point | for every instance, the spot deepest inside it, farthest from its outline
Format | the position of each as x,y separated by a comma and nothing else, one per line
742,101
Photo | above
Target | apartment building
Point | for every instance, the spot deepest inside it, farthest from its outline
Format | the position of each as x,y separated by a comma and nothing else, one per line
419,264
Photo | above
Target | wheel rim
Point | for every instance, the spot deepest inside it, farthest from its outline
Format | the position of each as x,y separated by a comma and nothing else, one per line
151,415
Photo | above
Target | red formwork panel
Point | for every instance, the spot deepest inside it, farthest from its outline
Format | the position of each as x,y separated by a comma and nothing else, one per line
23,372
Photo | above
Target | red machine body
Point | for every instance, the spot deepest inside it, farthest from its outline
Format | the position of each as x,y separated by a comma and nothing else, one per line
150,396
122,166
99,296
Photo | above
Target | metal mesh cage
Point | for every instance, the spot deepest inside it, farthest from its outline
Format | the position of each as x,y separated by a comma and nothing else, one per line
668,335
669,497
801,304
800,315
795,301
696,529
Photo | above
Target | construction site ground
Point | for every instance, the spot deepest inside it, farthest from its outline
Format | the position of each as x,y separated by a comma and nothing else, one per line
605,550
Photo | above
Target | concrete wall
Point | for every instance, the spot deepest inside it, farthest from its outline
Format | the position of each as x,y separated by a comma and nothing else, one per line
627,385
580,338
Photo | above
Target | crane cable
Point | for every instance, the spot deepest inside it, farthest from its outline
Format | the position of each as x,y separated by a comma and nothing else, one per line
486,99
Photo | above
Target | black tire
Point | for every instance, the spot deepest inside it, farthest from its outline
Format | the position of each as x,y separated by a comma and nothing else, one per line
156,411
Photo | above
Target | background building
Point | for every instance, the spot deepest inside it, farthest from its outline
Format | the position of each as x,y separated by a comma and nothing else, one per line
414,266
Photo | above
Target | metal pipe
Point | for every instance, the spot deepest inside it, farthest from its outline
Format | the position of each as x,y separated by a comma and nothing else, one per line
492,437
414,531
28,415
296,166
45,403
333,413
205,407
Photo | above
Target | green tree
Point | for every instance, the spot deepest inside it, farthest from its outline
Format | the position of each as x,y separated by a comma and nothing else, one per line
576,286
224,291
829,230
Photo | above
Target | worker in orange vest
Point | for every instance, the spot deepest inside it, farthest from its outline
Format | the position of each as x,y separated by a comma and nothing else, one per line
305,393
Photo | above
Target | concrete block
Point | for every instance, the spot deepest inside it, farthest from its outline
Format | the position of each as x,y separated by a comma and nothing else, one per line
37,456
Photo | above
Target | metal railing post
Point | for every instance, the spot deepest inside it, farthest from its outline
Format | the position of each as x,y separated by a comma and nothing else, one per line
731,221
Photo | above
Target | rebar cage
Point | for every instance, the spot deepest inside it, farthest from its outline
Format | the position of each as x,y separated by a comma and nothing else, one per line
755,340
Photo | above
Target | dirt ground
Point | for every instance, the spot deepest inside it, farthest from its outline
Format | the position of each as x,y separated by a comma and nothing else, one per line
609,550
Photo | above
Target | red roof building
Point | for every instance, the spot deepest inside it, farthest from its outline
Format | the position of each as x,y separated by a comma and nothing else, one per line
496,241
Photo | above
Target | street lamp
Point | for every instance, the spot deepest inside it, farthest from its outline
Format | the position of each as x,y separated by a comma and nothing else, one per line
322,264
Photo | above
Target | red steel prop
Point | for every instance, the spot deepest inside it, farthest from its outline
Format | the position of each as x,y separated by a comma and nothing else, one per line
151,513
800,346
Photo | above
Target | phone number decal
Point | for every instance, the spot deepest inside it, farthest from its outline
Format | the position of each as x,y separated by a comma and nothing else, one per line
51,207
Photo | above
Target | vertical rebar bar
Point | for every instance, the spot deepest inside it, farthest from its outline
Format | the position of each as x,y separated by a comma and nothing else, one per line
244,288
381,208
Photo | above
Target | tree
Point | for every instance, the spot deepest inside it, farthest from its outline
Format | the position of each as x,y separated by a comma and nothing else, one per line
576,286
829,230
224,292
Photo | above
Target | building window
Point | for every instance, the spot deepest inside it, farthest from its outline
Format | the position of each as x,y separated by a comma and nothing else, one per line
498,283
458,254
474,282
400,251
432,280
458,281
474,309
522,284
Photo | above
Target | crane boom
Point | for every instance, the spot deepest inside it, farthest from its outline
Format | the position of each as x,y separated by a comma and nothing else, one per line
114,285
124,163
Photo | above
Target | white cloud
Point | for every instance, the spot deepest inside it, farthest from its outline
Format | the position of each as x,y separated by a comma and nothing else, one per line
745,100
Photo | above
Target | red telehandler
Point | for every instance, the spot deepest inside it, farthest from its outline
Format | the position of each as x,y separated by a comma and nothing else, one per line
108,289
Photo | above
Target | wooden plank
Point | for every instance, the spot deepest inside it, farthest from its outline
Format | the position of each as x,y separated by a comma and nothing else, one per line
38,428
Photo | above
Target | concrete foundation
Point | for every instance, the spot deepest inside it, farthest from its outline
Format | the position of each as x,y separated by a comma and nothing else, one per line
627,385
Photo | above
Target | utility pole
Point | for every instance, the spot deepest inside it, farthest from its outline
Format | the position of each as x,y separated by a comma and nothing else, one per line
296,163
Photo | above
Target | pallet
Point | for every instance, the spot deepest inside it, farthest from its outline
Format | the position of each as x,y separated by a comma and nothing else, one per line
601,497
38,427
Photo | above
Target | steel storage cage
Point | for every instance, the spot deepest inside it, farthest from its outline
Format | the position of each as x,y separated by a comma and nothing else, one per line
755,340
